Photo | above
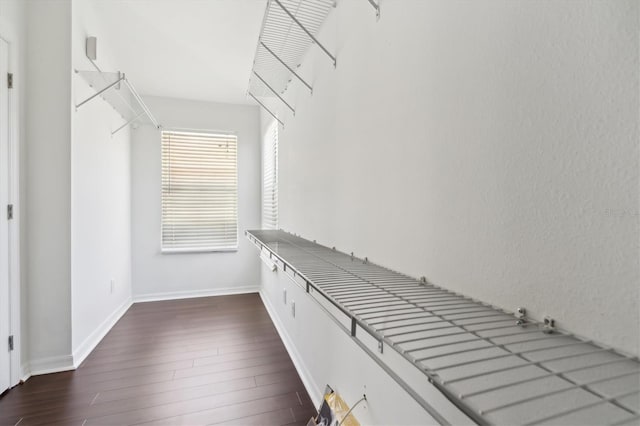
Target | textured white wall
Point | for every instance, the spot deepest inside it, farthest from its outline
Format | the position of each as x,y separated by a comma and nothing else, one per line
100,194
491,146
157,275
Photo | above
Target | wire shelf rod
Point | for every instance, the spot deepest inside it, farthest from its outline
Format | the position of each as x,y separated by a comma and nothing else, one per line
474,339
546,348
537,339
373,301
293,18
412,324
128,122
419,310
627,420
101,91
415,315
418,339
557,391
390,311
275,92
431,329
475,361
536,363
434,316
266,109
357,295
141,102
543,376
582,407
454,302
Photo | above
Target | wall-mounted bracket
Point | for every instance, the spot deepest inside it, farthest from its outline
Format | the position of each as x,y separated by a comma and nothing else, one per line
549,325
266,109
287,67
521,315
274,92
101,91
127,123
376,6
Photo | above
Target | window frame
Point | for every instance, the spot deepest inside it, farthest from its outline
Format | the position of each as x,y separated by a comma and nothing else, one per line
192,250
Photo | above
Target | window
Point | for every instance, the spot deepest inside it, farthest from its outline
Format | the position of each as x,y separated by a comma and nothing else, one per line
270,178
199,192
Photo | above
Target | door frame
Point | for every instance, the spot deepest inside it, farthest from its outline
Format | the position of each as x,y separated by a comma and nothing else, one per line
16,373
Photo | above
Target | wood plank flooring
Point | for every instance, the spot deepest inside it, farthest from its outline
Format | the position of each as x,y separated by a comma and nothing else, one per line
213,360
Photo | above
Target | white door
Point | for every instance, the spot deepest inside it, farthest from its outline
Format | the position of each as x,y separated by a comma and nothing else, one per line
5,360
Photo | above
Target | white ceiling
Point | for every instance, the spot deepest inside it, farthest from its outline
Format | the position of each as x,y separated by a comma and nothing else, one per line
189,49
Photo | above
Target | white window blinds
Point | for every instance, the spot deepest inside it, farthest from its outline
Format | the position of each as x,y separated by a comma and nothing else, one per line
199,192
270,178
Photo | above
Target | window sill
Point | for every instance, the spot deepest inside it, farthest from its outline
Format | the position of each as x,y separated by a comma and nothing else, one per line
197,250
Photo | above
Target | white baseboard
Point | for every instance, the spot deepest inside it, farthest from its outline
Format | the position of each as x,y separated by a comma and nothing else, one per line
171,295
25,372
54,364
92,340
313,389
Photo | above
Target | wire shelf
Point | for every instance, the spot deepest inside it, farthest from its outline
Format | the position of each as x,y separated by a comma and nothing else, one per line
288,30
491,368
118,91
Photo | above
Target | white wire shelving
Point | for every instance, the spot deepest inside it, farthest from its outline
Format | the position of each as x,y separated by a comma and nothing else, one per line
117,90
495,367
289,28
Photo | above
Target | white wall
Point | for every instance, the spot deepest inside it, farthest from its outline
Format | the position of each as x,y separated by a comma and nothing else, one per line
100,196
71,177
489,146
157,275
48,180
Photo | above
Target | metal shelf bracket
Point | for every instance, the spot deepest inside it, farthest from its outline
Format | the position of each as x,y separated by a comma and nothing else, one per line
376,6
303,28
270,113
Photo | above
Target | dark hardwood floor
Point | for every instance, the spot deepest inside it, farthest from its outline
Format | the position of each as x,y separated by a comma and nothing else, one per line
213,360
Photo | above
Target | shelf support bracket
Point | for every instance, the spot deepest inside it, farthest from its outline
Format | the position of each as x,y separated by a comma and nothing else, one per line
376,6
128,122
277,119
274,92
287,67
100,92
294,19
141,102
